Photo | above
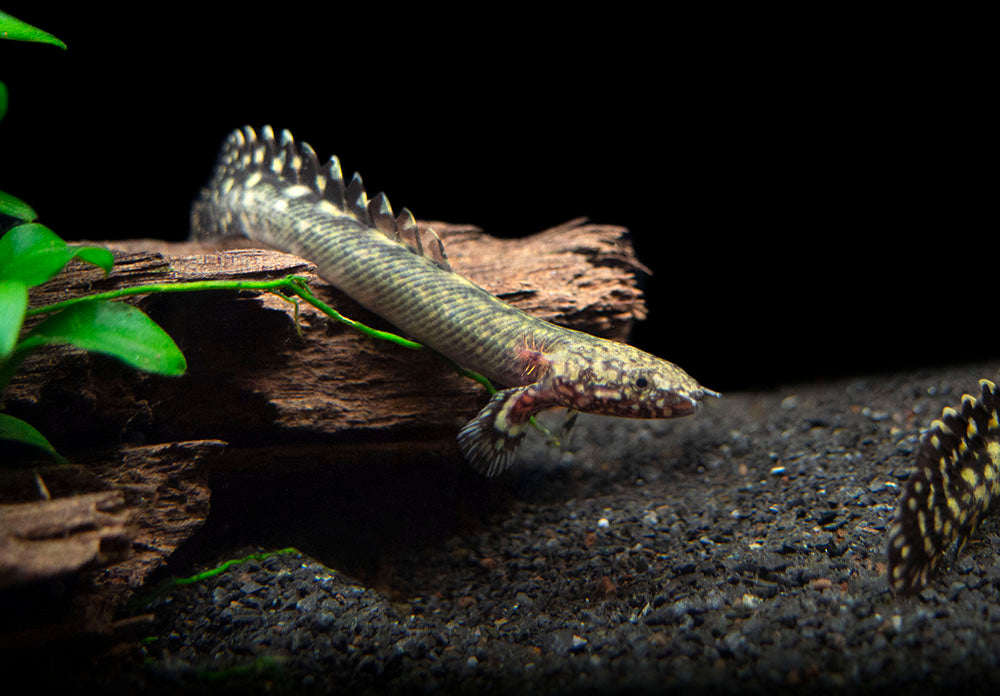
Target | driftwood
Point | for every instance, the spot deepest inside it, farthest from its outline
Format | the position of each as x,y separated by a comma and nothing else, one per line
40,540
255,382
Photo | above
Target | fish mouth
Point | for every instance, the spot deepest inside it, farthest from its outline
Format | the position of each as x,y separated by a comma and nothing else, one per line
685,406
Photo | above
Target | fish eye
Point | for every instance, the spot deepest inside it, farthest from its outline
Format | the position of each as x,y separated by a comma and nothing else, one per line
641,382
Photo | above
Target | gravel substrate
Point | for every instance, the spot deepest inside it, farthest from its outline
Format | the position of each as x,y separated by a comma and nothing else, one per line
740,549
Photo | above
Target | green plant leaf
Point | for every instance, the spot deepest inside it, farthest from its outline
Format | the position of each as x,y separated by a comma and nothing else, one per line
3,100
16,429
97,256
16,208
113,328
13,28
13,303
32,253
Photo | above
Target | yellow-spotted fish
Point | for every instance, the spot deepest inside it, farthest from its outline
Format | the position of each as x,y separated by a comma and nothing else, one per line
956,480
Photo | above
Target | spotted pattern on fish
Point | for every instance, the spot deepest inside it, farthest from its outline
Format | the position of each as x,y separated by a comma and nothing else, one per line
276,192
954,483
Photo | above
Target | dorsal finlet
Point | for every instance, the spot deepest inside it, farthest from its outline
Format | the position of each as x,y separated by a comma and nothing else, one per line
309,169
357,199
436,246
406,226
334,182
381,214
268,145
290,159
407,231
939,426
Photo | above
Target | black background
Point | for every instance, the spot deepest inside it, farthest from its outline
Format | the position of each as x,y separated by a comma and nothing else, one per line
807,190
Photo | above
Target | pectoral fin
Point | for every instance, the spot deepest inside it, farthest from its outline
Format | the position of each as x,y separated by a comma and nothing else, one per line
488,442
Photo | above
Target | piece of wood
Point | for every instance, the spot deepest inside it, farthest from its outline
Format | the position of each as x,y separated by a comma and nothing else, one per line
159,497
253,379
52,537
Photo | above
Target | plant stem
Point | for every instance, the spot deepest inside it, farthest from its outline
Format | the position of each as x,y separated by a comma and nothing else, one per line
289,285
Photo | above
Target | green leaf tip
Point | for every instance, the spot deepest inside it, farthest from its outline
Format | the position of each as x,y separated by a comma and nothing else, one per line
32,253
113,328
96,256
16,208
14,29
18,430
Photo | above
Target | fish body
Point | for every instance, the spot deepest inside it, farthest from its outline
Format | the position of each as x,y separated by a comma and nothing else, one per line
276,192
953,485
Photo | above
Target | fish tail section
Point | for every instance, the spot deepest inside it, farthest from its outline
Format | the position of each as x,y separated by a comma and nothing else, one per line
251,161
954,483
